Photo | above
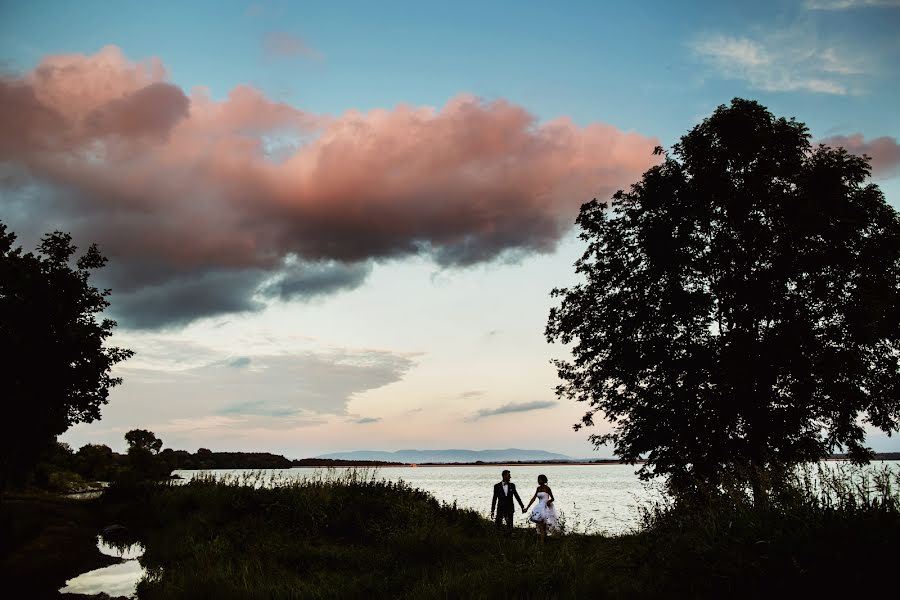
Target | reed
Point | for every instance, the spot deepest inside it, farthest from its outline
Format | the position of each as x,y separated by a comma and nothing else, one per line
340,534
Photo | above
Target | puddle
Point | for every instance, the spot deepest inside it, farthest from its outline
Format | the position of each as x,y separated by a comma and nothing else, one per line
115,580
129,552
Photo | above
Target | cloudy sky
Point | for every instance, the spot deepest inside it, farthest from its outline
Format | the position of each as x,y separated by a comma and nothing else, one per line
335,226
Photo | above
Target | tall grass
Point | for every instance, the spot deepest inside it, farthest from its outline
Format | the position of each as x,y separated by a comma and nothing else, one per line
828,528
345,534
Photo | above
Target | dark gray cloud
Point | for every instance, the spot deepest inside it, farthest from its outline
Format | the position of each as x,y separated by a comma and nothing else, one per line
155,296
308,280
180,301
471,394
366,420
512,408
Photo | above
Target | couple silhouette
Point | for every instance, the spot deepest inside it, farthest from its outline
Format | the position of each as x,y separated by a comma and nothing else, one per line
543,515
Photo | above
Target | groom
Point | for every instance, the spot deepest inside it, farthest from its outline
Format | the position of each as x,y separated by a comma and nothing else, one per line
504,492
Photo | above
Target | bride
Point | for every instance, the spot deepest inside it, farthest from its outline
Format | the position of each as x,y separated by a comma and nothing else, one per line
544,514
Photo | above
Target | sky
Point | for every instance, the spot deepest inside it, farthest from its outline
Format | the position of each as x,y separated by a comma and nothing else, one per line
335,226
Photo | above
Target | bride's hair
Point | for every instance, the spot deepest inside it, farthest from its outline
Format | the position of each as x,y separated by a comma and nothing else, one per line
542,479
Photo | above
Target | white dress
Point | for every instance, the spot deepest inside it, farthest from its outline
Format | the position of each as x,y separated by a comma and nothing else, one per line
541,513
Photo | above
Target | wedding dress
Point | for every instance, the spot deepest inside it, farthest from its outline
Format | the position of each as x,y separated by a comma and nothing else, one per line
541,513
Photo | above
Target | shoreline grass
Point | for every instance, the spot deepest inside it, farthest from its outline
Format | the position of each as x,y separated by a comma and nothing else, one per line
350,534
340,534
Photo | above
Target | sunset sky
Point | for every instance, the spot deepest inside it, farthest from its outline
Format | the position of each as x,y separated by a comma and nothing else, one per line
335,226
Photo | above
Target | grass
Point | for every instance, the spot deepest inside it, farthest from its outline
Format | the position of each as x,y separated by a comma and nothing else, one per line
832,530
339,536
353,535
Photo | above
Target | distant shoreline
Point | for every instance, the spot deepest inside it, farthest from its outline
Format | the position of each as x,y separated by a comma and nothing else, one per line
310,463
479,464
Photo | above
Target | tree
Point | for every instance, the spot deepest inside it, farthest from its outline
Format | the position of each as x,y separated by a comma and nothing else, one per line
56,370
141,439
95,462
738,311
143,455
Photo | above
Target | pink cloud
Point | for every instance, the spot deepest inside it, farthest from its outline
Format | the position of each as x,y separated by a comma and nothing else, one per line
286,45
152,110
185,191
74,84
884,151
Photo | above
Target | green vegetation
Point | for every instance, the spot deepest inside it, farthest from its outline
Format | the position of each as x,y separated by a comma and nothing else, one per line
354,535
57,368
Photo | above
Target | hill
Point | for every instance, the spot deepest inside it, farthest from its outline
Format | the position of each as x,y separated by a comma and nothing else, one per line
448,456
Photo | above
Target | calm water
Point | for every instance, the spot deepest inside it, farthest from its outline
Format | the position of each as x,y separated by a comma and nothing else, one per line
115,580
592,498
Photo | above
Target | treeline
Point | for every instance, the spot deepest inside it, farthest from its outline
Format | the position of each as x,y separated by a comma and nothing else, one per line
205,459
876,456
98,462
63,469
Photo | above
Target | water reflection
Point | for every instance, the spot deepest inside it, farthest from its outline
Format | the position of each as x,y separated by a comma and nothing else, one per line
116,580
126,551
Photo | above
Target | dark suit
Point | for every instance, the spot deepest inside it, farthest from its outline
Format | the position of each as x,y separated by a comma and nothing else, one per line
504,504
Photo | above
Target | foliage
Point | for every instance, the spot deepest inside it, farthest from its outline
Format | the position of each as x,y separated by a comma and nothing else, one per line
144,458
352,535
66,482
96,462
56,368
739,308
142,439
53,469
829,530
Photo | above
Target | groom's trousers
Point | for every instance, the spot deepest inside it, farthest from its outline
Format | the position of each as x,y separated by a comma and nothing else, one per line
507,515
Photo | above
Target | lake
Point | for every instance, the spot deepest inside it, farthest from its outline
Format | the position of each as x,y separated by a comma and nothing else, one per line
602,498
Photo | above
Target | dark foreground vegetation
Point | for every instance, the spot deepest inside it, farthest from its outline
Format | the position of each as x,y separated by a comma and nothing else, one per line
354,535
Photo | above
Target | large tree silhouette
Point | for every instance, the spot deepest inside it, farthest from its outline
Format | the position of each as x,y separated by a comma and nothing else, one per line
738,311
56,370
